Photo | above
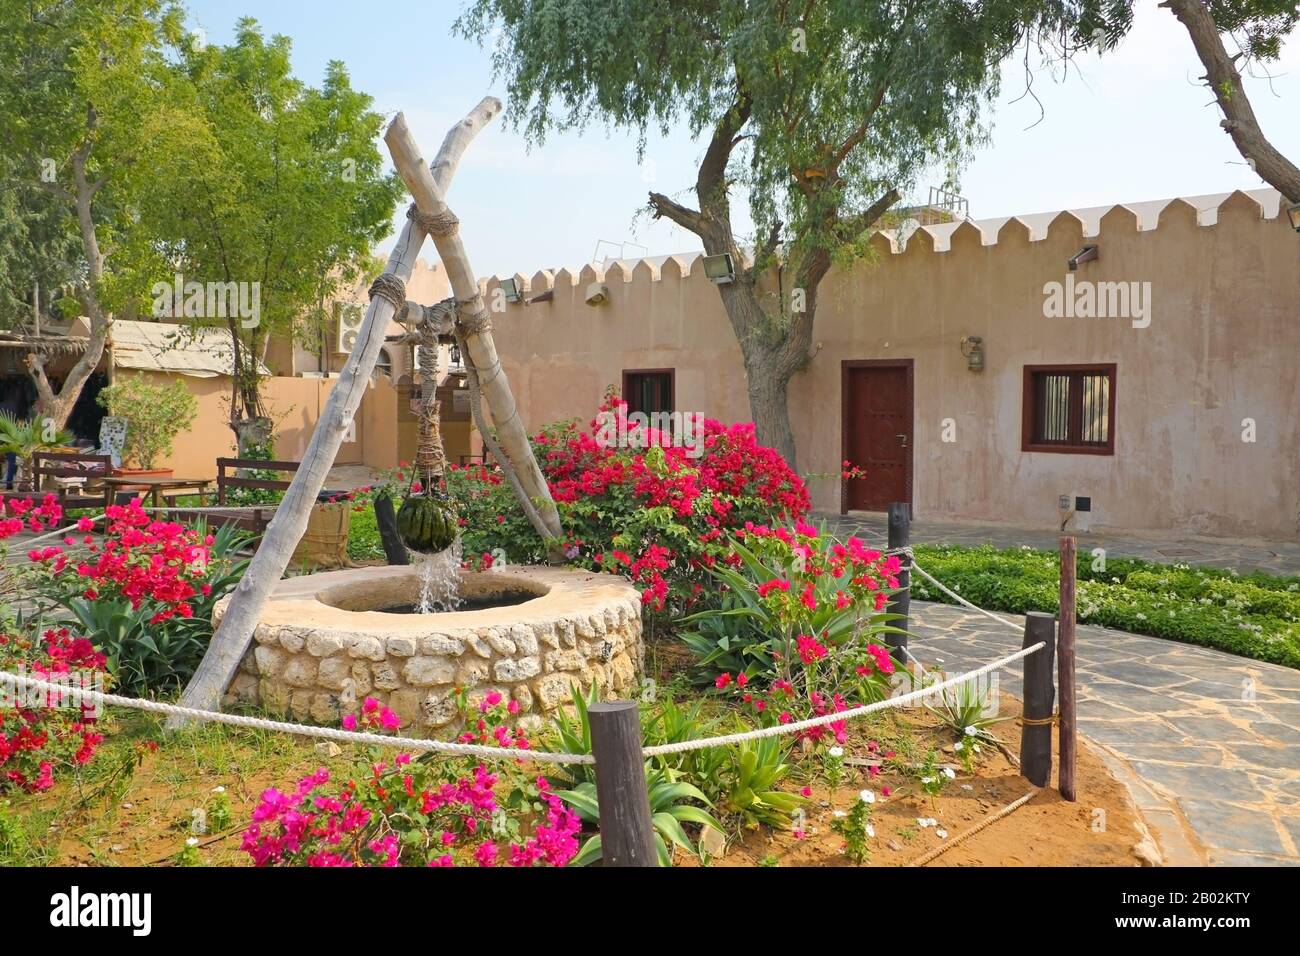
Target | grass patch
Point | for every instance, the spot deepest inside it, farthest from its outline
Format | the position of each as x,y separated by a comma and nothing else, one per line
363,536
1254,615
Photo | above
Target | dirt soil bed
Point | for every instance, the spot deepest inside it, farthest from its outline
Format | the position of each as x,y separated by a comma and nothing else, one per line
1100,829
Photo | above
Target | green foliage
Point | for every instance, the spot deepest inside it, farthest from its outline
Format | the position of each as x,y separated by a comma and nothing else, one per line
81,80
965,710
282,185
672,803
25,438
364,543
155,413
751,632
144,657
750,776
1254,615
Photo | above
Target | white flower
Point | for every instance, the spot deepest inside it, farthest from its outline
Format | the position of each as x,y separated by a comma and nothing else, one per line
218,789
192,841
927,779
977,748
949,772
867,796
840,813
926,822
871,831
957,746
970,731
836,751
941,834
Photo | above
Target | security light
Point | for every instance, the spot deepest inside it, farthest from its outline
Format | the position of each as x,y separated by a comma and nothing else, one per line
1294,214
510,288
719,268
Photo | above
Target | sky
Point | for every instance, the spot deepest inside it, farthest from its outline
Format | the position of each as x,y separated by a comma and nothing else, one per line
1127,126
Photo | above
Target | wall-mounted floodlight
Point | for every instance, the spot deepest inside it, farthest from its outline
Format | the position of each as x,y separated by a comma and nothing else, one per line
1294,215
511,289
1086,254
719,268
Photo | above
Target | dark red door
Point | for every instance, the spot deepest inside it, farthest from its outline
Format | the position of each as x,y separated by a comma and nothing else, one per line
878,433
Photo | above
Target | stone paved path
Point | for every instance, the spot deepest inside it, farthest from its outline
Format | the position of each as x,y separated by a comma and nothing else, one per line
1277,557
1208,742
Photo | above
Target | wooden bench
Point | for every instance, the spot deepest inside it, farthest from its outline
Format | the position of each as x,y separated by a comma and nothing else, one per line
91,493
254,518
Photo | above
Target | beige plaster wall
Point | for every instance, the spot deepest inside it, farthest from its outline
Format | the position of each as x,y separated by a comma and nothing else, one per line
1222,346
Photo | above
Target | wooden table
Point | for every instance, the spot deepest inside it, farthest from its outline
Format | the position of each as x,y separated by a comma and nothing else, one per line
155,485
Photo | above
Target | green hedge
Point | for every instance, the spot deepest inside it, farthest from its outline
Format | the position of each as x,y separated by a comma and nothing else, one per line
1254,615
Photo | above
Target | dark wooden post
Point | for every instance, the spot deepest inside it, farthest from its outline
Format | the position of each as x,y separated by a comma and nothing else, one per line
386,519
900,536
1039,696
1065,666
627,835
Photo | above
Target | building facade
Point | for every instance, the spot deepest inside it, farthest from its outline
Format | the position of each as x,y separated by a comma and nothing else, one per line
1136,365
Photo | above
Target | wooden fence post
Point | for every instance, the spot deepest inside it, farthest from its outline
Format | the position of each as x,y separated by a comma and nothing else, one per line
386,519
1065,670
627,835
900,536
1039,695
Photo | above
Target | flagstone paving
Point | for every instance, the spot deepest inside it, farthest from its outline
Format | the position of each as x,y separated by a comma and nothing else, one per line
1209,743
1275,557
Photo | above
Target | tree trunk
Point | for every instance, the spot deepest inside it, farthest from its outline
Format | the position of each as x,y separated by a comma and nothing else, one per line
232,638
253,436
767,403
1239,117
58,406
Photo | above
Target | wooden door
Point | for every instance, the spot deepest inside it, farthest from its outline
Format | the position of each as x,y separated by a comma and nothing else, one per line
877,432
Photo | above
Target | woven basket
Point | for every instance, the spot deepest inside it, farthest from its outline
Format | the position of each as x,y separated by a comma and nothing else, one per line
325,542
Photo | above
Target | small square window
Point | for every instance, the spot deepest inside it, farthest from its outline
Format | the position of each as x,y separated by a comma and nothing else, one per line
648,390
1069,408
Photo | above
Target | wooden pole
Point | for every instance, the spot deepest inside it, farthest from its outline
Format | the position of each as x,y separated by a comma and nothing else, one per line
1039,695
1065,673
900,536
428,196
627,836
233,636
386,519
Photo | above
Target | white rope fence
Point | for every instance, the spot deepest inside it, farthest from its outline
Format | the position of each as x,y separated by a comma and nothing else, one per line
324,733
500,753
826,719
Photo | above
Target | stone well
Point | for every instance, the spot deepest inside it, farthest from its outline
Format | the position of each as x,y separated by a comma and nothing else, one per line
322,646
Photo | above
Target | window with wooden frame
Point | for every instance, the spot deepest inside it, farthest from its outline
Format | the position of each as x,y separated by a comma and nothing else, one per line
1069,409
648,390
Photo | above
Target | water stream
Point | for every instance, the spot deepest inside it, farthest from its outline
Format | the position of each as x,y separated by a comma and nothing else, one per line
439,576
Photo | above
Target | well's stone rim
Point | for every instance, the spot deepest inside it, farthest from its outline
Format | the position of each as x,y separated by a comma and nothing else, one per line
296,602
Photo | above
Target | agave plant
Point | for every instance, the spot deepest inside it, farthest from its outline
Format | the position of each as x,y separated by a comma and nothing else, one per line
669,793
668,811
753,772
23,439
964,710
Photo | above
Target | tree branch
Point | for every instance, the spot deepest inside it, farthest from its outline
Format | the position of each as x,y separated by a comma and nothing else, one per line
665,208
1239,117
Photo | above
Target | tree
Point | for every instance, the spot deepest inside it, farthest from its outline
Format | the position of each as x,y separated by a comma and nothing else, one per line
1259,26
281,192
76,79
39,247
824,110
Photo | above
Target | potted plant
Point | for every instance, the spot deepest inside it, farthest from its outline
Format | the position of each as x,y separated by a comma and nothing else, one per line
155,413
22,439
